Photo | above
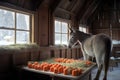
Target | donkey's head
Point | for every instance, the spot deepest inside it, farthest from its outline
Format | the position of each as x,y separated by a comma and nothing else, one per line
74,37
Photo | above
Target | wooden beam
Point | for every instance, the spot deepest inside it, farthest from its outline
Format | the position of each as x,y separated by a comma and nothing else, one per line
91,9
54,5
92,17
35,4
94,13
64,10
14,7
77,4
22,2
72,5
82,10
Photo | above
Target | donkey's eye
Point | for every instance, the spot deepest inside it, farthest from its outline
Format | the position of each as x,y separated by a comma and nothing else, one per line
72,37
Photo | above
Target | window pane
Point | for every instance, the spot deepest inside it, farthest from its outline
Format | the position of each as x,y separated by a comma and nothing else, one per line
64,38
84,30
57,38
6,37
22,37
6,18
80,28
57,26
22,21
64,27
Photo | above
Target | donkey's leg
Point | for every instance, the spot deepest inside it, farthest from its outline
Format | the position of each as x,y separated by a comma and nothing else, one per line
98,72
84,54
100,66
105,72
106,66
86,57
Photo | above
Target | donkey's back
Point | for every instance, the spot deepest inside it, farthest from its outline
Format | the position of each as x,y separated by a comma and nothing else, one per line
98,44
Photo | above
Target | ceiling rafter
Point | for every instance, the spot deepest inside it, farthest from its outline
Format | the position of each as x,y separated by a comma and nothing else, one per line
91,9
82,10
66,11
35,4
23,3
73,3
94,13
54,5
11,5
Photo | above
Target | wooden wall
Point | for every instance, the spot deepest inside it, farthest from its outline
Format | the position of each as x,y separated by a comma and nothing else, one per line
41,25
106,19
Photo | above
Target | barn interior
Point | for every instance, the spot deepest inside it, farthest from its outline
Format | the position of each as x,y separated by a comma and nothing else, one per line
36,30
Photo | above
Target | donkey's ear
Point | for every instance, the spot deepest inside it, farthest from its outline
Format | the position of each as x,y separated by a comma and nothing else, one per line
71,30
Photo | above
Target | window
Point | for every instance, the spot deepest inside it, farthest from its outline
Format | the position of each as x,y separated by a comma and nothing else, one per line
61,32
83,29
14,27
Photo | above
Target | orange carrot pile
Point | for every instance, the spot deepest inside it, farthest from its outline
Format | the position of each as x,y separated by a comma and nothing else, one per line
58,68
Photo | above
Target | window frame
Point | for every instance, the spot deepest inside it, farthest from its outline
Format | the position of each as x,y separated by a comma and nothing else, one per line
31,24
67,33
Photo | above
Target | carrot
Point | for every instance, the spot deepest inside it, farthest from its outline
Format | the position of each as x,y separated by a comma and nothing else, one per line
29,65
35,63
40,67
74,72
69,70
80,71
37,67
55,70
45,68
51,69
33,66
88,63
60,70
65,71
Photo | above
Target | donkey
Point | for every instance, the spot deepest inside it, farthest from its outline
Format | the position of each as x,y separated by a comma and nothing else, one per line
98,46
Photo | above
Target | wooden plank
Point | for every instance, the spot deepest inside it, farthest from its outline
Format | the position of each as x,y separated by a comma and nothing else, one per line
92,7
35,55
72,4
63,53
36,4
20,58
69,55
54,5
82,10
57,53
5,61
64,10
74,54
43,25
15,7
79,53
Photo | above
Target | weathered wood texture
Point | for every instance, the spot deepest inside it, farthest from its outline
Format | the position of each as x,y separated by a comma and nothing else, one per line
106,19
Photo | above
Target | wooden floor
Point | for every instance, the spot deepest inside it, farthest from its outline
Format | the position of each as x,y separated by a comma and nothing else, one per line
112,75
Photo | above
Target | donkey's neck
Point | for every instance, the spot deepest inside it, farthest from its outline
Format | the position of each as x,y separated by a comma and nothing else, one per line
85,36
